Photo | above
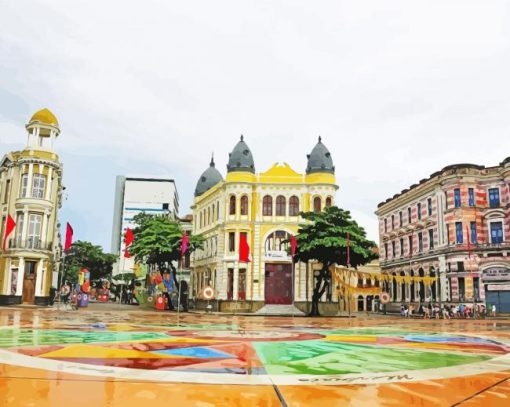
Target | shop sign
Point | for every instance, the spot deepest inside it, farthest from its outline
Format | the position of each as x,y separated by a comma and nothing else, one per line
496,273
277,255
498,287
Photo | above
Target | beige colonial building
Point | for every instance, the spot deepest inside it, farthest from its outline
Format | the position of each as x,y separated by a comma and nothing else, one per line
265,208
447,238
30,192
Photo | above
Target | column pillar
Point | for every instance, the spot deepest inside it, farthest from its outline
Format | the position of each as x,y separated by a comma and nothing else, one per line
47,193
25,225
30,179
236,281
39,278
44,229
21,274
6,289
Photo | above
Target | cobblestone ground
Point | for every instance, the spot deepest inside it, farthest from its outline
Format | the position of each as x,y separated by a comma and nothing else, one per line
121,356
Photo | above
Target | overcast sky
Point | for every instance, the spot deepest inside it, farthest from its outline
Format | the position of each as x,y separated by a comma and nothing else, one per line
396,89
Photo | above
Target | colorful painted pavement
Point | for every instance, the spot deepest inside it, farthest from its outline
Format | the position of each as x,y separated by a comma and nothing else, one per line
47,357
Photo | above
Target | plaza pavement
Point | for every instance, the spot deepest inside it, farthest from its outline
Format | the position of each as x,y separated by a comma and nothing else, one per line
113,355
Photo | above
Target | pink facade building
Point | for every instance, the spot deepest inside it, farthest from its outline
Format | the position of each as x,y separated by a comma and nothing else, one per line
452,230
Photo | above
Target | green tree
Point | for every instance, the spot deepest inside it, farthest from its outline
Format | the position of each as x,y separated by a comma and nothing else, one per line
84,254
157,242
323,237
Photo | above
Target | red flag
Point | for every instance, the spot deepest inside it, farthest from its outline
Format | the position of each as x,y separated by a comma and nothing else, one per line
184,244
129,237
127,242
348,249
69,237
244,248
293,245
10,225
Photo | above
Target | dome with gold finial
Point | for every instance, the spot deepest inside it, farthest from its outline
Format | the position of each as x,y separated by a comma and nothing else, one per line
44,116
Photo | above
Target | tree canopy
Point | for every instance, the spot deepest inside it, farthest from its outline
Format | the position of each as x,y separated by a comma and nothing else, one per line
324,237
83,254
158,239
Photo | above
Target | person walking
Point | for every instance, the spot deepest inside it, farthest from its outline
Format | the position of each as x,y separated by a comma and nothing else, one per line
493,310
169,288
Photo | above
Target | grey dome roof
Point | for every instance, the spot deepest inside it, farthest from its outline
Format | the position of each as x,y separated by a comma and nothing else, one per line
319,160
240,159
209,178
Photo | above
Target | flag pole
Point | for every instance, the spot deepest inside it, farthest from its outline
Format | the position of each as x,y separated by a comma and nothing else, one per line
179,293
293,282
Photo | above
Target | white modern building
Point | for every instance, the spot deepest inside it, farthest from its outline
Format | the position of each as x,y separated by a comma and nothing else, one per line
135,194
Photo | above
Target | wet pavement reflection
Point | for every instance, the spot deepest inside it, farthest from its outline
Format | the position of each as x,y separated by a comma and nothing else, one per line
124,356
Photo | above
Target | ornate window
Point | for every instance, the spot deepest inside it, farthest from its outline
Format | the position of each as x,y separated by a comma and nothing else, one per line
317,204
34,229
38,184
277,241
232,205
24,186
280,205
244,205
328,202
293,206
267,206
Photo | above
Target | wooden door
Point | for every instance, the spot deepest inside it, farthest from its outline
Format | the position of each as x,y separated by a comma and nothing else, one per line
29,282
278,283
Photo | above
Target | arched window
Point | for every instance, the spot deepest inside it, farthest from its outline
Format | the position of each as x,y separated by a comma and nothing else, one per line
200,217
267,206
217,210
277,241
244,205
328,202
293,206
232,205
280,205
317,205
213,213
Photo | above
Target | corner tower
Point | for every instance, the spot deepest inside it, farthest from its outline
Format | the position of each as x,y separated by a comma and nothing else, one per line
31,194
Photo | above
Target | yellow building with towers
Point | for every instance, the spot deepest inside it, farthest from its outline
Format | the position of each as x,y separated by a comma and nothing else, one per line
30,194
264,207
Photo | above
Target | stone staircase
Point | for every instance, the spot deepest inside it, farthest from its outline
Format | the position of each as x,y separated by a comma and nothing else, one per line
282,310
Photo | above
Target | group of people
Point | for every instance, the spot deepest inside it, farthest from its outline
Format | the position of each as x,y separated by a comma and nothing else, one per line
68,294
447,311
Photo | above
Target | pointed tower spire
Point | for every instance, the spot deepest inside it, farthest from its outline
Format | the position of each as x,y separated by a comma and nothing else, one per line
212,160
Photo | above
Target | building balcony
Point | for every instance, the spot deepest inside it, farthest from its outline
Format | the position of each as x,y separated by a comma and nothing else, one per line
29,244
38,203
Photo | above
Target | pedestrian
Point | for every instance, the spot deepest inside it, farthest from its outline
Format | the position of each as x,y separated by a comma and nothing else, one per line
65,293
169,287
493,310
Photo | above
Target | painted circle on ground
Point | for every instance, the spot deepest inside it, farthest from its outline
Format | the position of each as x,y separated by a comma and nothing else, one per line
249,335
199,354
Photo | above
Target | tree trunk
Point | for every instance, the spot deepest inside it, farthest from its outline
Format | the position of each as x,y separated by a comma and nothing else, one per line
318,291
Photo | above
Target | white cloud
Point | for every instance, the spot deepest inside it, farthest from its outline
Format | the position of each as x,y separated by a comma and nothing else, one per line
397,89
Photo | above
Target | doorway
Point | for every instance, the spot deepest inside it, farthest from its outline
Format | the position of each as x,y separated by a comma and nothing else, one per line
29,282
278,283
